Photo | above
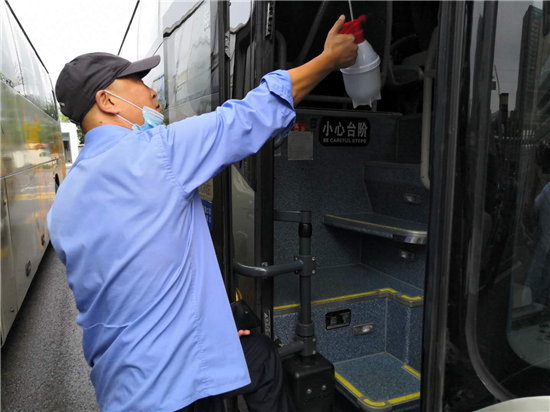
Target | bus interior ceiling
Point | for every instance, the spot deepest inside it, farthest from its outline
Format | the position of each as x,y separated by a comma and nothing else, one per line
369,205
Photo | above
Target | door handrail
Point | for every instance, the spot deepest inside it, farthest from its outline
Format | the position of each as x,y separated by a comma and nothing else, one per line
267,271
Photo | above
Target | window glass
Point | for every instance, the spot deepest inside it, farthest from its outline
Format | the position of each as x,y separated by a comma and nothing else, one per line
47,96
31,78
239,16
514,324
191,69
10,69
155,80
37,87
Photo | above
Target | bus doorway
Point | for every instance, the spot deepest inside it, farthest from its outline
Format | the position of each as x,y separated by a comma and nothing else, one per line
425,208
358,173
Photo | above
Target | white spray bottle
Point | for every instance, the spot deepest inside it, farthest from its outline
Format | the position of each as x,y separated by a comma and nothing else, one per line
362,80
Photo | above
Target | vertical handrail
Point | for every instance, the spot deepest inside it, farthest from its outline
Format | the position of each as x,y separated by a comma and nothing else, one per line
429,74
387,42
312,33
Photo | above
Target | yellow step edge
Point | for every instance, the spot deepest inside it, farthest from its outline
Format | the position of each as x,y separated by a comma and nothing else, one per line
295,305
356,295
374,403
413,298
420,232
315,302
348,385
412,370
404,398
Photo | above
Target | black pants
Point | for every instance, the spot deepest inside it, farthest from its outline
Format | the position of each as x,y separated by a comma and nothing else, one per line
267,391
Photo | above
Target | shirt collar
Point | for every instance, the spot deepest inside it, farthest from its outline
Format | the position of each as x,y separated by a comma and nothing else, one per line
106,135
101,139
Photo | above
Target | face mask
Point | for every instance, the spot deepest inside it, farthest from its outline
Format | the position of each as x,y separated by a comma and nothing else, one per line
151,117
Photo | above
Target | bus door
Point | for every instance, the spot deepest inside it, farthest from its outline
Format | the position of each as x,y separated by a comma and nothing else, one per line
351,181
487,297
195,80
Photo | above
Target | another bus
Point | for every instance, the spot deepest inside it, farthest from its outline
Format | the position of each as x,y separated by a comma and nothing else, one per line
33,163
417,231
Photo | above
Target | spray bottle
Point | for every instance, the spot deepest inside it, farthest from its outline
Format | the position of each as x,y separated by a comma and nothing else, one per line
362,80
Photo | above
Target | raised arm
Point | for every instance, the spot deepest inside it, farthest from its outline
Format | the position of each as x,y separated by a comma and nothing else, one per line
340,51
199,147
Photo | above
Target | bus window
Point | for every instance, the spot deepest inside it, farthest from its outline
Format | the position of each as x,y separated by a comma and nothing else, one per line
487,324
35,79
31,76
239,17
11,70
190,50
48,97
513,331
155,79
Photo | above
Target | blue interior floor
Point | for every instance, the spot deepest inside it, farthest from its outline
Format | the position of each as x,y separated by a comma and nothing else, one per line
339,281
379,377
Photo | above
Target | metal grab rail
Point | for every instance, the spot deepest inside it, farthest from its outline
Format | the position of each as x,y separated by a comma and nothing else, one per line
305,266
429,75
291,348
267,271
312,34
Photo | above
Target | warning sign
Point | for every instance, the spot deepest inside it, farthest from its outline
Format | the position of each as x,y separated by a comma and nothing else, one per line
206,190
338,131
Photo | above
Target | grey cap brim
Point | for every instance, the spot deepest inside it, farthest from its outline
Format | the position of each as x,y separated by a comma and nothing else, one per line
143,67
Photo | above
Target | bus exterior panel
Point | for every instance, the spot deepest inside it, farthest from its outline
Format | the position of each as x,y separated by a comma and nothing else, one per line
32,164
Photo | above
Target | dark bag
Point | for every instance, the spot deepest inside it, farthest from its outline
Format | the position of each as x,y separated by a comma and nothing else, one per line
245,318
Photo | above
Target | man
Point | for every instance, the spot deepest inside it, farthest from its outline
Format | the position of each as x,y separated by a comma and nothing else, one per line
129,225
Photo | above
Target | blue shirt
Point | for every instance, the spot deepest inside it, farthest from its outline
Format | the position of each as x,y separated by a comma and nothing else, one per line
129,225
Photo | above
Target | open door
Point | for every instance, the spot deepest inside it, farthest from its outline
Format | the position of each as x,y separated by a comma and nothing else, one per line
487,313
196,81
355,174
429,211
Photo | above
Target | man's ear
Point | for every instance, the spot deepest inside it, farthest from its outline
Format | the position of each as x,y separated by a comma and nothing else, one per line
106,103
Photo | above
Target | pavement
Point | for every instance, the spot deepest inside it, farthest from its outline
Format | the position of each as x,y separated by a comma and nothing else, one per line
43,367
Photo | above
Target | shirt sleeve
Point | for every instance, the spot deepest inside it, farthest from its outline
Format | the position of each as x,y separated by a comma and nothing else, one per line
199,147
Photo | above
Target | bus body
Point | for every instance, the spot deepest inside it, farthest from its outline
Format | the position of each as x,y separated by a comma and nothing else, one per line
430,212
33,163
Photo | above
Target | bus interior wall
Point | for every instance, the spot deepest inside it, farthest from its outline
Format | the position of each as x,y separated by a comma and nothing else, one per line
370,209
412,27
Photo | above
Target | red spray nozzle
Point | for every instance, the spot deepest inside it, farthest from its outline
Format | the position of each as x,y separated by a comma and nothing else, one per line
354,27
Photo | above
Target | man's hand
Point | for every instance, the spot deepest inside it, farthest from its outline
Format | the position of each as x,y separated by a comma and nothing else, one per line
244,333
340,49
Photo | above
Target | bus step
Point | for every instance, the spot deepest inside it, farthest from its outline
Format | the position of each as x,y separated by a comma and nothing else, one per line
379,383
